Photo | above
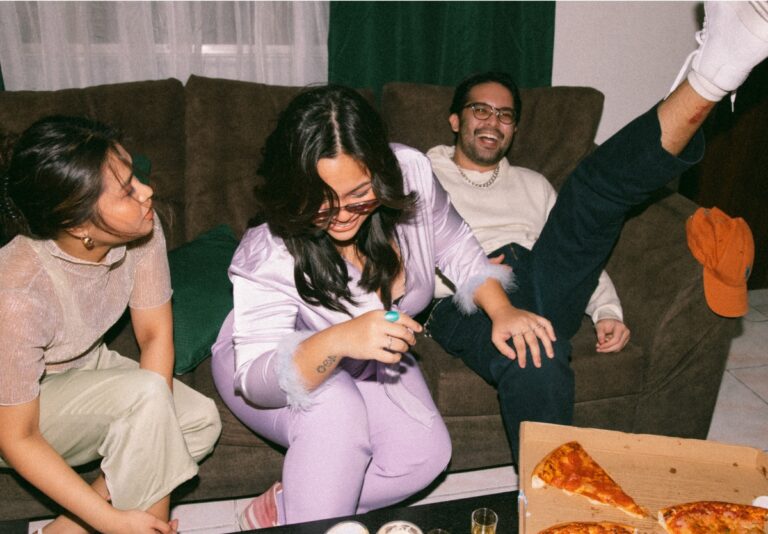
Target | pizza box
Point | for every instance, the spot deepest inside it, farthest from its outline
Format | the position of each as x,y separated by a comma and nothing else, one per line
656,471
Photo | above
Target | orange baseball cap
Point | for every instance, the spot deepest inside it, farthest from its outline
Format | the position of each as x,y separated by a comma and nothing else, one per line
726,249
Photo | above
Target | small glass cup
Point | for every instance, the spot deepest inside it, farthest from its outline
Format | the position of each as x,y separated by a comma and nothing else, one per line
484,521
438,531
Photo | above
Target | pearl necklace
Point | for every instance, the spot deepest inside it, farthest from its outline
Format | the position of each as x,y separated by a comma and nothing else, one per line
483,185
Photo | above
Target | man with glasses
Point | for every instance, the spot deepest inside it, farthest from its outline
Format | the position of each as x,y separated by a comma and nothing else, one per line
506,207
558,248
483,116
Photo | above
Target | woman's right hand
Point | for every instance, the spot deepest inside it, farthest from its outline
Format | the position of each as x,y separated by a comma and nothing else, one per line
372,337
139,522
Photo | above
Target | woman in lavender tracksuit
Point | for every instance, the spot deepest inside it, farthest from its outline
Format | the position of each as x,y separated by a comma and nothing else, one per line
309,357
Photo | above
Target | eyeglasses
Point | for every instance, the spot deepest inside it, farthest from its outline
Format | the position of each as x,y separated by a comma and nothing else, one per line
324,217
483,111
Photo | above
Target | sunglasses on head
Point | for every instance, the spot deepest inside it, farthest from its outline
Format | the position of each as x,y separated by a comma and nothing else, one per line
325,216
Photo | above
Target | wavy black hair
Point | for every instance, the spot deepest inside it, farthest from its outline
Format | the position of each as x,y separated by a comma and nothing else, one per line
51,176
324,122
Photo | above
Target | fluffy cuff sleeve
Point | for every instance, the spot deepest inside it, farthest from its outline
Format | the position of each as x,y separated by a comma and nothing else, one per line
287,376
464,296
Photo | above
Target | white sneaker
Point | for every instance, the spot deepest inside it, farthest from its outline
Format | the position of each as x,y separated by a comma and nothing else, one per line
733,40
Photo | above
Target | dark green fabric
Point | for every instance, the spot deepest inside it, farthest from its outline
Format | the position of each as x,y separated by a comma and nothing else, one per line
371,43
202,294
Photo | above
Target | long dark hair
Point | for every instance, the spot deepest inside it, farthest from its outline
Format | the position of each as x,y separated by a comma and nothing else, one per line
51,176
324,122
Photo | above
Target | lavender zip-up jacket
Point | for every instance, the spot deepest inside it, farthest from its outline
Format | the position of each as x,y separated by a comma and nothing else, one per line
270,319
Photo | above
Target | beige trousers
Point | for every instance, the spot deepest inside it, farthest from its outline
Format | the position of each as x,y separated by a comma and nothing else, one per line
149,439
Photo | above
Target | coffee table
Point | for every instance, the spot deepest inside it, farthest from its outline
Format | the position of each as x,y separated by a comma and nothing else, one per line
453,516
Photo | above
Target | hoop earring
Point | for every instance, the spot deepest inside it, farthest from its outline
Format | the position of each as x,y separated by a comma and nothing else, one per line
87,242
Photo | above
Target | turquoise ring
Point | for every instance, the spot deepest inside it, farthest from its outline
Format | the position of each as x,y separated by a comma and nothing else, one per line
392,316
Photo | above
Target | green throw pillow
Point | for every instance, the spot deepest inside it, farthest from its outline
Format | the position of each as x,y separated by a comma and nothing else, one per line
202,294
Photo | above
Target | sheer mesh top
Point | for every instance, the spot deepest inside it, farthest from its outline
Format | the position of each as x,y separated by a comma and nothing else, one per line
34,336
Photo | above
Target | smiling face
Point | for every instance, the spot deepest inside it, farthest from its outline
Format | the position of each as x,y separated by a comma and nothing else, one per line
480,144
351,182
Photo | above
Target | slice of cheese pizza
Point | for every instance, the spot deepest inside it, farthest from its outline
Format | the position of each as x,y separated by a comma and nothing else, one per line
571,469
713,516
602,527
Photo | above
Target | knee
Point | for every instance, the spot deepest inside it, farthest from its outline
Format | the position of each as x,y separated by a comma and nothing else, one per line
423,457
440,454
206,429
554,373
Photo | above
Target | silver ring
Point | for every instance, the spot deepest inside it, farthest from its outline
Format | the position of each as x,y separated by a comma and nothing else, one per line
389,342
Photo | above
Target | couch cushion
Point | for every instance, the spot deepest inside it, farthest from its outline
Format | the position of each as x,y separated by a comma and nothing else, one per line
456,389
227,124
202,294
151,116
605,376
557,124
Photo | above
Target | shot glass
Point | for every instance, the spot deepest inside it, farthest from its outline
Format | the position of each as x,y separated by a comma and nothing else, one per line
484,521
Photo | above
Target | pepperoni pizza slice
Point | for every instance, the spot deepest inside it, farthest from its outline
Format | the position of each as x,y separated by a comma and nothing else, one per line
570,468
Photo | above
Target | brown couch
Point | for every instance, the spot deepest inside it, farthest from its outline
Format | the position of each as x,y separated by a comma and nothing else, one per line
204,140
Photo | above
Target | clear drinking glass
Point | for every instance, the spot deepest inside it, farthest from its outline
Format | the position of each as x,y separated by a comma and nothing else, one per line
484,521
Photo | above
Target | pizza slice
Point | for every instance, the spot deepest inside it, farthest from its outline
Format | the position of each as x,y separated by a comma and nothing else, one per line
713,516
570,468
603,527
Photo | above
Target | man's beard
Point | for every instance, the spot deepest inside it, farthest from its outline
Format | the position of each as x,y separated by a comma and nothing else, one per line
486,158
483,156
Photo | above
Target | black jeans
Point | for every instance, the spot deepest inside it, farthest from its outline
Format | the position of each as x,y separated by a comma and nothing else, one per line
557,277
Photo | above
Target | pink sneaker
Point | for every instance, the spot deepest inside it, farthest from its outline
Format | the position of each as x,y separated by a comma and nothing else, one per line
263,511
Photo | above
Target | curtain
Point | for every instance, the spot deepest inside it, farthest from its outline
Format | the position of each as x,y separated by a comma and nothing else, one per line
56,45
371,43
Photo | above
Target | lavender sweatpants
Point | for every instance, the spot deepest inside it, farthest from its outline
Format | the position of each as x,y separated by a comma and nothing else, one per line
353,450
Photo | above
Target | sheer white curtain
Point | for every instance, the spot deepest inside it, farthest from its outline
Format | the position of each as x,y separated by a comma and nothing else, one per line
57,45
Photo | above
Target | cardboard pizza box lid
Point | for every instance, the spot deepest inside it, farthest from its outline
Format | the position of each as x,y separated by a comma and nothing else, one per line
656,471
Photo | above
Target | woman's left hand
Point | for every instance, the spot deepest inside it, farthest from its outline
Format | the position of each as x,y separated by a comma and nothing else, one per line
525,329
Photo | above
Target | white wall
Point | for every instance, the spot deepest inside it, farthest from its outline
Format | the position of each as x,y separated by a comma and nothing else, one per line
631,51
